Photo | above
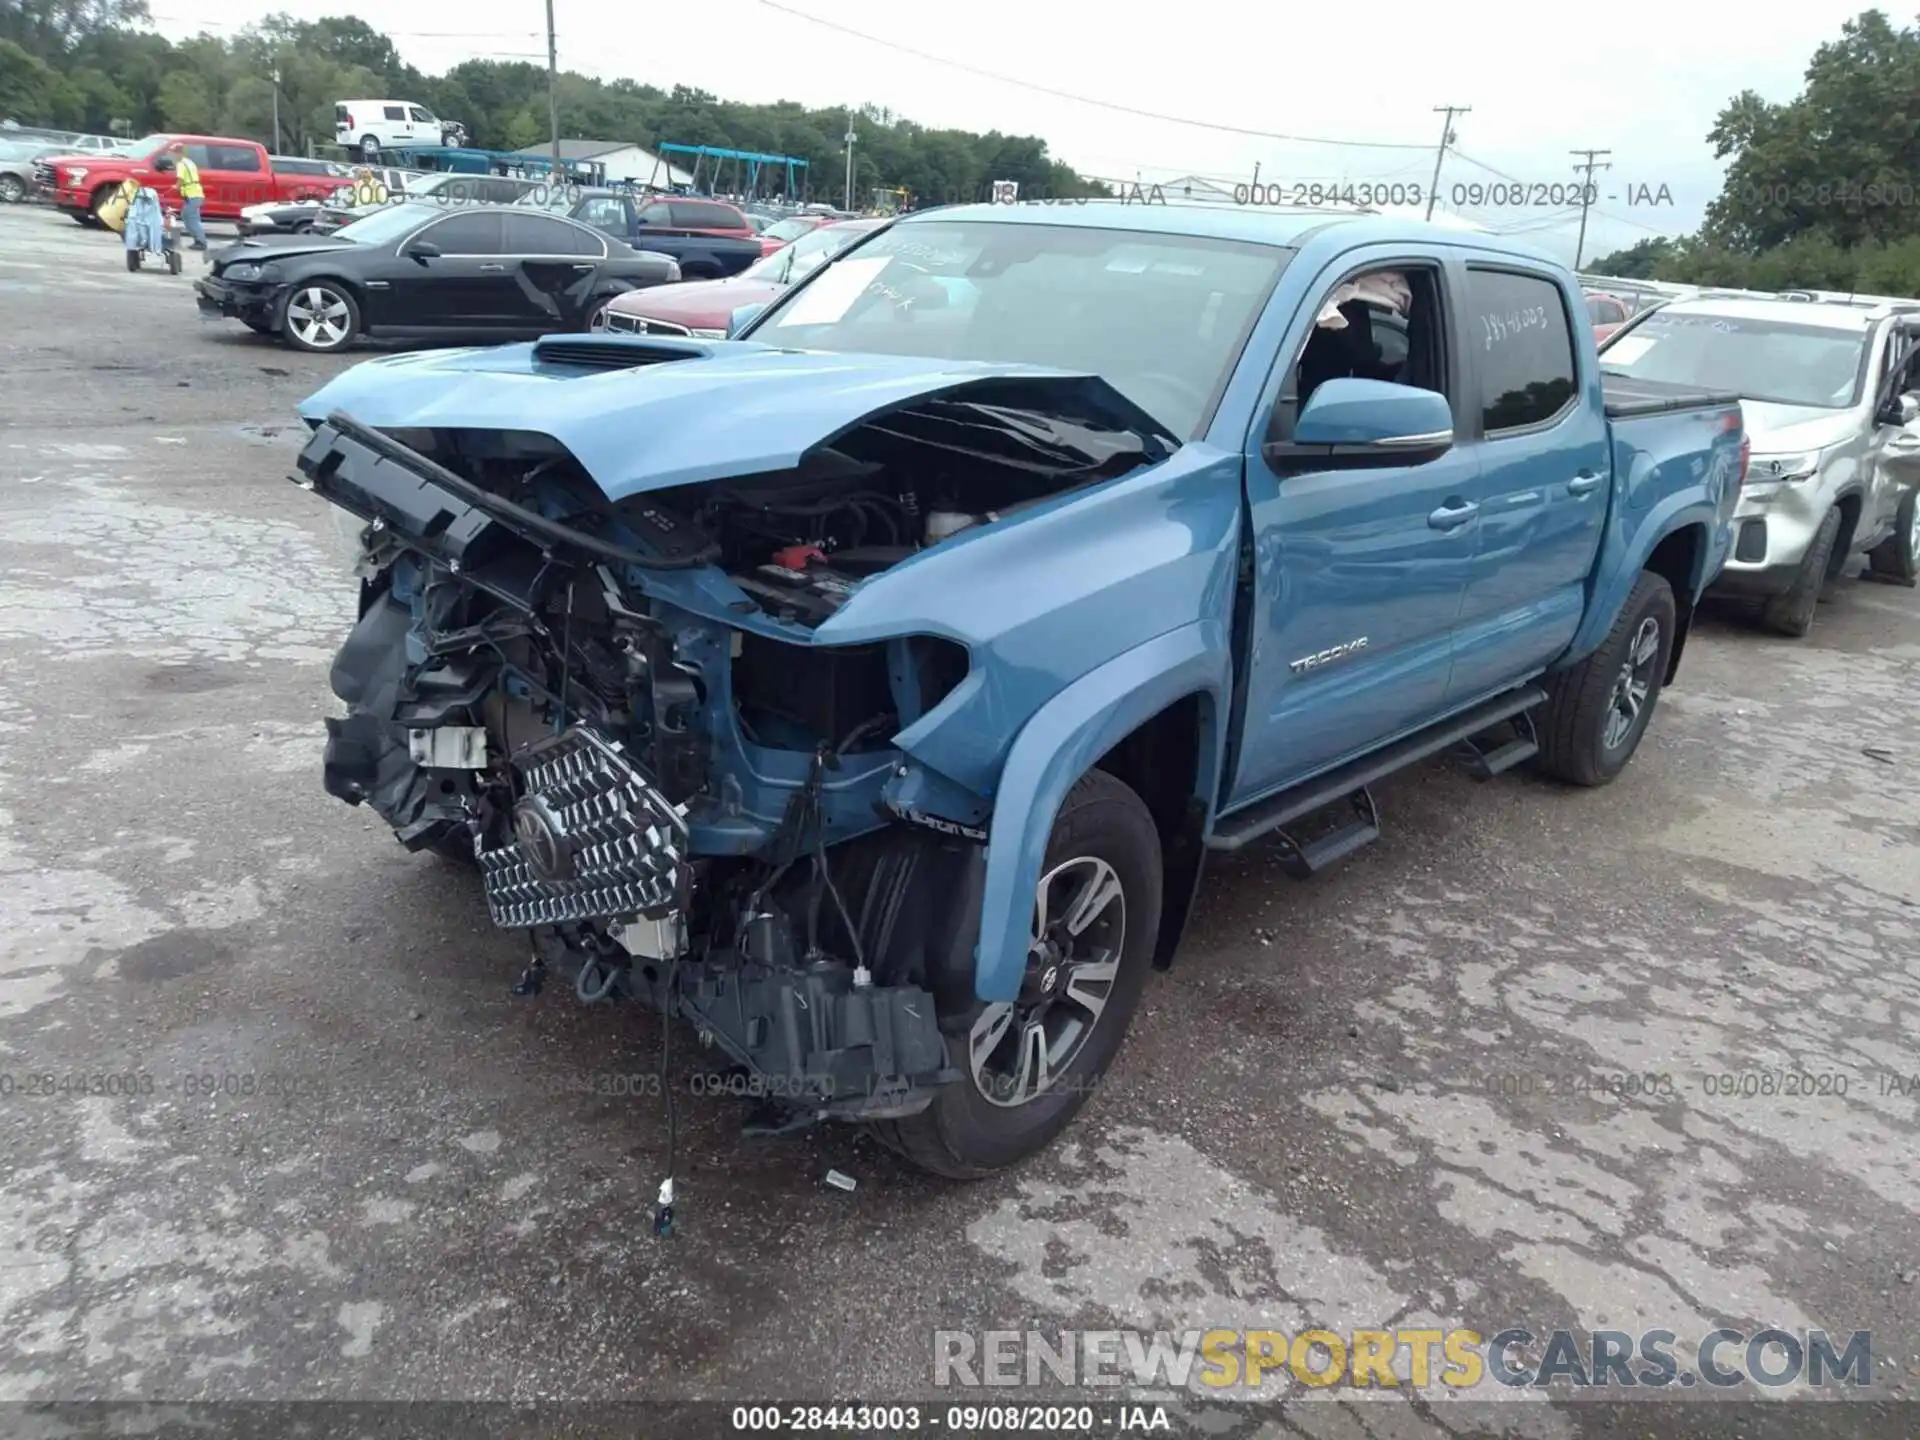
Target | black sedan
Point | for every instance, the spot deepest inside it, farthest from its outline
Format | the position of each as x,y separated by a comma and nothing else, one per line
415,271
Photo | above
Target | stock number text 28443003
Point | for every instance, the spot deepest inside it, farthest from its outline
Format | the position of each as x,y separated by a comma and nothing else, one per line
1310,193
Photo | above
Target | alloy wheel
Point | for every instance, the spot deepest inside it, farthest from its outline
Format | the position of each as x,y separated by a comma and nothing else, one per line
1017,1049
319,317
1632,685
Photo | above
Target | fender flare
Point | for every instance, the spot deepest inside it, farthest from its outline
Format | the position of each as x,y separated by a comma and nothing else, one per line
1622,565
1058,745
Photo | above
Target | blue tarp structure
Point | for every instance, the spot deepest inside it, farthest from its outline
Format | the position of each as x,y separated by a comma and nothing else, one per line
144,228
464,160
750,160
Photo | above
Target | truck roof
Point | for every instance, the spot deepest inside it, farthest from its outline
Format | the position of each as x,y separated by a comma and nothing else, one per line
1259,224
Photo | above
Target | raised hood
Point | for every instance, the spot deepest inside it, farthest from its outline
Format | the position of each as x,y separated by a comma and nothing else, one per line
678,412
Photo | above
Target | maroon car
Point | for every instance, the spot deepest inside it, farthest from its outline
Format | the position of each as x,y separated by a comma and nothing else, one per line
701,308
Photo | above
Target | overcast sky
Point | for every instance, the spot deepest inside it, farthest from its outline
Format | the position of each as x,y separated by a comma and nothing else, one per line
1646,81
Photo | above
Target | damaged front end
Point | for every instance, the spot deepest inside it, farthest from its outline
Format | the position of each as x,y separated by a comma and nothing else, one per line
630,715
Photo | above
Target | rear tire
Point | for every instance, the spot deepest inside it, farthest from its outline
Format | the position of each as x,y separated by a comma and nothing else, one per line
12,189
1103,840
1791,614
369,147
1897,558
1597,711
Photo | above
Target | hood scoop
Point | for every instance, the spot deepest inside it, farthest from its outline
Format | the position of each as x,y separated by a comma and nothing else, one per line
614,352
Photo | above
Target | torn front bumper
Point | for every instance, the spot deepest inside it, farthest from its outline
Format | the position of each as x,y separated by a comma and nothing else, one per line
221,300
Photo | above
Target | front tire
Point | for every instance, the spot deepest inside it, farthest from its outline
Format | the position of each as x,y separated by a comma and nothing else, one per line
321,317
1027,1066
1897,558
1791,614
1597,711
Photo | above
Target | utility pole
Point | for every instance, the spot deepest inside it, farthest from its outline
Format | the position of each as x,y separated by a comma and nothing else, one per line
1585,172
553,99
847,201
1447,137
276,107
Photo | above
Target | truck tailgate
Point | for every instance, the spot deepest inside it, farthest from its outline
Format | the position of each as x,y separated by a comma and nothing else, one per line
1626,397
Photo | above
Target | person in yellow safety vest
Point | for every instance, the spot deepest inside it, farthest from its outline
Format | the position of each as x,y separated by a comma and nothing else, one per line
192,194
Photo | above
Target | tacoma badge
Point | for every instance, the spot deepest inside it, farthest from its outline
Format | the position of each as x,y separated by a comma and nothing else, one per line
1337,652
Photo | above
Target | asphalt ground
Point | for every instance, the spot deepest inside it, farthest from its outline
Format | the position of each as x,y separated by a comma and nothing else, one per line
353,1166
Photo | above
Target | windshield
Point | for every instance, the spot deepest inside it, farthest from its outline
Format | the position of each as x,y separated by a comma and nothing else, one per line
386,224
793,263
1766,360
789,229
1161,318
151,146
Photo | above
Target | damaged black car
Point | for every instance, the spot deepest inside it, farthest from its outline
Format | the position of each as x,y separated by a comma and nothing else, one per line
418,271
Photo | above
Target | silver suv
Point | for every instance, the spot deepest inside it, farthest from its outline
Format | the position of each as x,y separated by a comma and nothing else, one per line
1826,387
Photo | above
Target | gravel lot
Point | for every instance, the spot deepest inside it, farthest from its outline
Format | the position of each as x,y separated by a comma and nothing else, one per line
404,1185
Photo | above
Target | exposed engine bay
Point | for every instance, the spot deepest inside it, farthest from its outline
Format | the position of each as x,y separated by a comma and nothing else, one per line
616,711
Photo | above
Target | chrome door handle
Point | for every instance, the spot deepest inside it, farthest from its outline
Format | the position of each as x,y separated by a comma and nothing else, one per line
1452,517
583,269
1583,484
484,269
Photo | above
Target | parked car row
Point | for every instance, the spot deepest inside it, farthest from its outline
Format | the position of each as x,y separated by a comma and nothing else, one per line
234,174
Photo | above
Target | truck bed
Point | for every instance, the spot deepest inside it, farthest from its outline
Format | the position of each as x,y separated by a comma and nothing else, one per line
1626,398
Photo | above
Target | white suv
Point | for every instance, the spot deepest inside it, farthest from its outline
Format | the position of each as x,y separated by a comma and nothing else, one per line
371,126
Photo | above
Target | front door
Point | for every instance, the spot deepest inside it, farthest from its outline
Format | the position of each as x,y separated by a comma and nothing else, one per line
469,285
1546,467
1358,573
1893,451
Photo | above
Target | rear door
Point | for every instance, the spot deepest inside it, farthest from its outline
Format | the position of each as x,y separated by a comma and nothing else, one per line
395,128
235,176
470,284
556,268
1538,425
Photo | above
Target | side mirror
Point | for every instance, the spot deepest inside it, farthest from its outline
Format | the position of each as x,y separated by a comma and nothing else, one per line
1358,424
743,316
423,250
1908,408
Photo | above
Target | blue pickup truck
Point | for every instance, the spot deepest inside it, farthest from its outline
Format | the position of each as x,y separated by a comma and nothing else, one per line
868,689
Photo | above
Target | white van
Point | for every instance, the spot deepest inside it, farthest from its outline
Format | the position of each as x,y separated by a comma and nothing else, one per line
371,126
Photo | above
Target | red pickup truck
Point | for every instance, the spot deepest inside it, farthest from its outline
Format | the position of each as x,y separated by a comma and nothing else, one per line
234,174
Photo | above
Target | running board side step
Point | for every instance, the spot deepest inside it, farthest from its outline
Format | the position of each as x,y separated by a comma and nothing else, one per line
1485,758
1350,781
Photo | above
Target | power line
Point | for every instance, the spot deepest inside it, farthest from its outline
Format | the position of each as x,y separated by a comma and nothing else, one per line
1082,99
1447,137
1586,195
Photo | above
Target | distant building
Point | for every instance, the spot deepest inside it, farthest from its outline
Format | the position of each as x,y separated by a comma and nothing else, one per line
623,161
